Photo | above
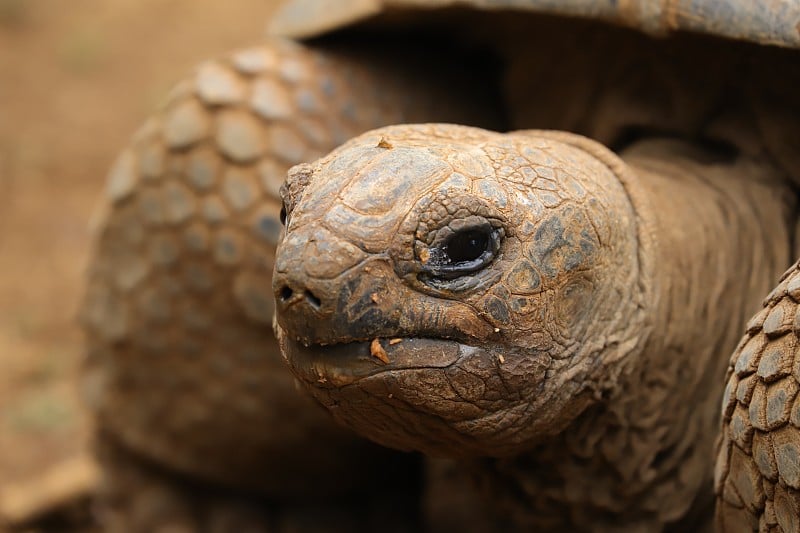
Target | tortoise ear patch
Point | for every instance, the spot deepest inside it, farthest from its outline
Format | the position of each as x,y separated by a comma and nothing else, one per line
559,247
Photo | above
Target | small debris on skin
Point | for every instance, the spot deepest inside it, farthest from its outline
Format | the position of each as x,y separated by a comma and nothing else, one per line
395,341
374,297
424,255
383,143
497,330
377,351
502,359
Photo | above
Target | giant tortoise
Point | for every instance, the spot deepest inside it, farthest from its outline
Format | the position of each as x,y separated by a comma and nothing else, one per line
546,314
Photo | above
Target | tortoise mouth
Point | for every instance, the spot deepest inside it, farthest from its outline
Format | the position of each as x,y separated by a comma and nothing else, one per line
433,395
339,365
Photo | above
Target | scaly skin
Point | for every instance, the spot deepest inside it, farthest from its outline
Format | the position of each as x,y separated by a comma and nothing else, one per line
576,366
758,462
183,371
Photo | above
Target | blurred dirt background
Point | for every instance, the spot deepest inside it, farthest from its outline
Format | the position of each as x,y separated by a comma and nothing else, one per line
76,79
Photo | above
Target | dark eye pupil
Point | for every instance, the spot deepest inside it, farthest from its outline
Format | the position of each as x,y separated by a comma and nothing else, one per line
466,246
283,215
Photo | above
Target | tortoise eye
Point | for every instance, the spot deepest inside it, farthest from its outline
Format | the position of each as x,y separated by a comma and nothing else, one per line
464,252
283,215
466,246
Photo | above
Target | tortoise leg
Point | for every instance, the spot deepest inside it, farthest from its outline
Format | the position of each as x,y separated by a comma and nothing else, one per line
757,474
182,370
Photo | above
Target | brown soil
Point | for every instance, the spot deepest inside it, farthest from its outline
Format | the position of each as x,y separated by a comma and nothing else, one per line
76,78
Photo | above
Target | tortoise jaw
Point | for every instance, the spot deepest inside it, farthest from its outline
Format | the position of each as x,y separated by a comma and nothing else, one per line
338,365
431,396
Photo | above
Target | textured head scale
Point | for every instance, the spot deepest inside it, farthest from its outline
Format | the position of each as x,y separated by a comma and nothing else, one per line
505,264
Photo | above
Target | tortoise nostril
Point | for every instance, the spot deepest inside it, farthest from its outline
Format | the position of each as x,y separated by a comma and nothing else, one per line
286,293
313,300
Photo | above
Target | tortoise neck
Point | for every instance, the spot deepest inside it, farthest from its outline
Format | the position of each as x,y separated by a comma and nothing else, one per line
721,238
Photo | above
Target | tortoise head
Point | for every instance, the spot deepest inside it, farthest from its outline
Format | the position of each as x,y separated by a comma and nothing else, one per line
453,290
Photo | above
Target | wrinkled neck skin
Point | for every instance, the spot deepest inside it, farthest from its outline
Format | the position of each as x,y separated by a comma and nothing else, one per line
713,240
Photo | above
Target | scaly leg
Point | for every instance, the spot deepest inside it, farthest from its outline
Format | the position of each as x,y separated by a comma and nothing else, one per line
758,460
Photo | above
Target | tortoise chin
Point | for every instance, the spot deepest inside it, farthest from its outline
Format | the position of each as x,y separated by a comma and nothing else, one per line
437,396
